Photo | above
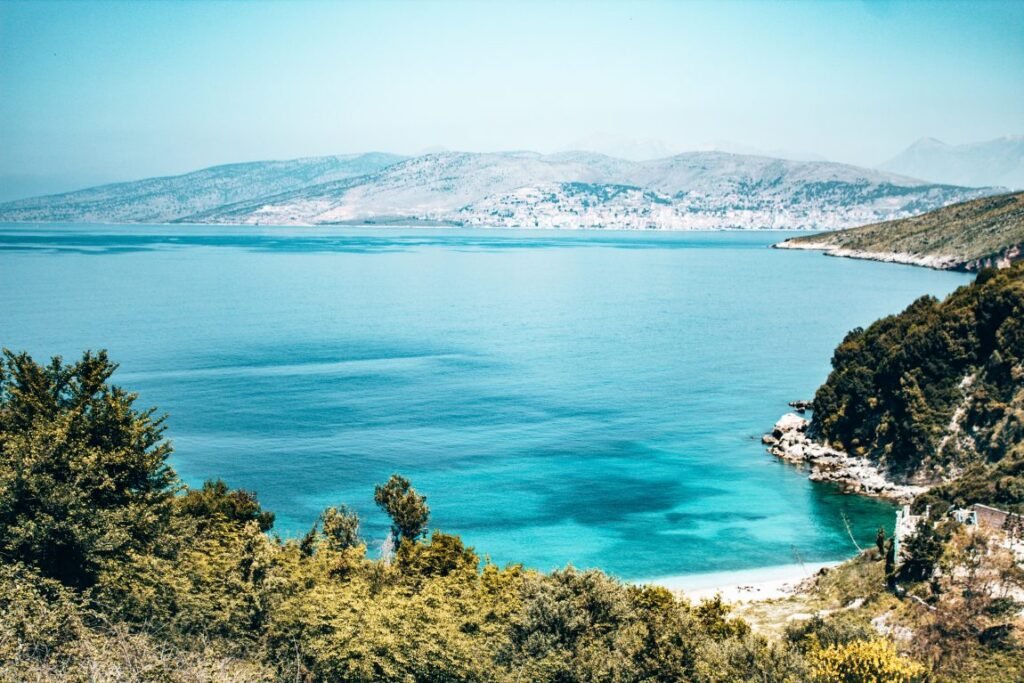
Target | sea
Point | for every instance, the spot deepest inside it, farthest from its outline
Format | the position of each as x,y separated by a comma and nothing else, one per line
593,398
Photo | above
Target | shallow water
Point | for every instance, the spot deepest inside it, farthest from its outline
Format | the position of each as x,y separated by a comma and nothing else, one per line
592,398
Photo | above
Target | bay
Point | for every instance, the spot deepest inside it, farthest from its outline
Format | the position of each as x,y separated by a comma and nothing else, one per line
593,398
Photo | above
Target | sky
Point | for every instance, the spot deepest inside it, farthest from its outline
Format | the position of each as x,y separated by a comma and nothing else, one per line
94,92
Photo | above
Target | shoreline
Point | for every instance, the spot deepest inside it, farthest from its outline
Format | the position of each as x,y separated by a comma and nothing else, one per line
790,442
742,585
934,261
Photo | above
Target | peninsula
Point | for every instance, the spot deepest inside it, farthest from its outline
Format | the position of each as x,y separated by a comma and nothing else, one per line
967,236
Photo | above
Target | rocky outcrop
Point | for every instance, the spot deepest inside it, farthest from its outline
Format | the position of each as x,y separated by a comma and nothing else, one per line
789,440
801,406
934,261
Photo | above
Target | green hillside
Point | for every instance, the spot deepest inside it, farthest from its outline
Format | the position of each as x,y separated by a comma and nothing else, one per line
937,388
966,236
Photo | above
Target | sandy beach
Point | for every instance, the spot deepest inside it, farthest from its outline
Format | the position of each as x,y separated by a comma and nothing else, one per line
746,585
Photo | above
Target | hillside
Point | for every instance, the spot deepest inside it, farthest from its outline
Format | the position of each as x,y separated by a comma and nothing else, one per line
998,162
698,190
162,200
966,236
936,390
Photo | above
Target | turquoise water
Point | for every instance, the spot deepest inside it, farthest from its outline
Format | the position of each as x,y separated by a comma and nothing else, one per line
588,397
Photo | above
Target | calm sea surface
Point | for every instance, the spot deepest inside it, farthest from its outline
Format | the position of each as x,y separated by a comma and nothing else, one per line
593,398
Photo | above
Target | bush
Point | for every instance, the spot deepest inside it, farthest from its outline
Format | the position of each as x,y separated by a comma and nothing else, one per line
863,661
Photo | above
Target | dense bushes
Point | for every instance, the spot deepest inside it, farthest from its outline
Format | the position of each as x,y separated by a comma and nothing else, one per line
935,388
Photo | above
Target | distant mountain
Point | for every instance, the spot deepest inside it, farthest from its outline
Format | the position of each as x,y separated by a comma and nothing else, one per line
634,149
697,190
166,199
998,162
967,236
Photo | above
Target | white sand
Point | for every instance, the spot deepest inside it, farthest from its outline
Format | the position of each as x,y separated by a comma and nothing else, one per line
747,585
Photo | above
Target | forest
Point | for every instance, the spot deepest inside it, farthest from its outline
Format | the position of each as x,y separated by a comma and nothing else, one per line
936,393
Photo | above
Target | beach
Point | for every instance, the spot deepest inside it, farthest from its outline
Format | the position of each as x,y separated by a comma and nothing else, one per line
745,585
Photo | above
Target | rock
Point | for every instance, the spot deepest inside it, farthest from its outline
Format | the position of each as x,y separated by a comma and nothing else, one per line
853,474
791,422
800,406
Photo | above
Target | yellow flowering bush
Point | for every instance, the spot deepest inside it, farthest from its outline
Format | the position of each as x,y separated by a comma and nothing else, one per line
863,661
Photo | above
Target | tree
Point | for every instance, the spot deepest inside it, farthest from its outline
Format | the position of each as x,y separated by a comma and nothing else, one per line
215,501
407,509
923,550
83,474
340,527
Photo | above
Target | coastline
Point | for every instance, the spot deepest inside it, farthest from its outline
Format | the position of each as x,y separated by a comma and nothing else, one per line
934,261
789,441
742,585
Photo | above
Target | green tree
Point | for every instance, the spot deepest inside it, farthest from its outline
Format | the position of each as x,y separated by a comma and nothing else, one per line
407,509
215,501
923,550
340,527
83,474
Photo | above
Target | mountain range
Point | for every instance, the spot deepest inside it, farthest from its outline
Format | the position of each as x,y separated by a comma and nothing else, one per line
993,162
695,190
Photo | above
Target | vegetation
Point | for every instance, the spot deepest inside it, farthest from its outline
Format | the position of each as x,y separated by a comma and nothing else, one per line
933,393
863,661
966,236
407,509
113,571
936,390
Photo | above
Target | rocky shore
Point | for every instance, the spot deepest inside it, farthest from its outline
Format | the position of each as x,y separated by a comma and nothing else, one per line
937,262
1001,259
789,440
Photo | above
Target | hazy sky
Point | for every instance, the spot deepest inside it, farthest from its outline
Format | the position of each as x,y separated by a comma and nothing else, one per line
93,92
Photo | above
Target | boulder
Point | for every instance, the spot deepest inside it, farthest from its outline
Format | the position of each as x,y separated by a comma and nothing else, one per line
790,422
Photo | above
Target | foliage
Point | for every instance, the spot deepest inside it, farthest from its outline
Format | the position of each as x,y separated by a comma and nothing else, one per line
976,611
206,594
922,549
935,388
863,661
407,509
83,478
999,484
340,529
216,501
832,630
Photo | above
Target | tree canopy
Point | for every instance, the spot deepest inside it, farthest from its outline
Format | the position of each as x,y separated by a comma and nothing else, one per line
936,388
83,473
